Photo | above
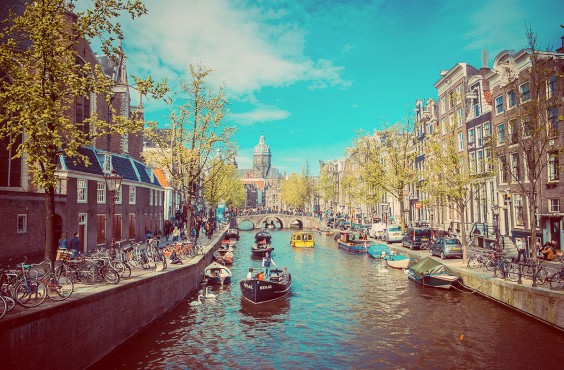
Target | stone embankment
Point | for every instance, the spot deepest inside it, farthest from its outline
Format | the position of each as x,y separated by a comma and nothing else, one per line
78,332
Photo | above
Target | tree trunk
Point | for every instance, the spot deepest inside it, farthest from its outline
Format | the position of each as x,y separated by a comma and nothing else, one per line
402,214
51,239
533,229
463,234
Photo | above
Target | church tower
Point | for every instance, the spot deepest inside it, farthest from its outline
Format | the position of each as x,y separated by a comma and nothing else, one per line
261,159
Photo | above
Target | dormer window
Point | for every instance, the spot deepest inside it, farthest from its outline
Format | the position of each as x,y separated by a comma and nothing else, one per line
107,166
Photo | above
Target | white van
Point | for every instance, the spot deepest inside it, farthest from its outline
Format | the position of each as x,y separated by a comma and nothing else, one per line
377,230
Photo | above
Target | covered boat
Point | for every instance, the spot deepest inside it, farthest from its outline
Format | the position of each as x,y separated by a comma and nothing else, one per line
399,261
261,290
302,239
263,236
224,255
262,244
232,234
216,273
379,251
352,242
430,272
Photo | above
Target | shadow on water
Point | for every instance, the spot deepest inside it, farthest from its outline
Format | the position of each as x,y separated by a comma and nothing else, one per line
265,310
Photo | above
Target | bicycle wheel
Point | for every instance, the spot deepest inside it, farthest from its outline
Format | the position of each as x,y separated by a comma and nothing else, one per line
30,292
3,307
512,272
557,281
488,265
542,276
10,302
109,274
59,288
118,266
528,271
126,271
88,273
473,263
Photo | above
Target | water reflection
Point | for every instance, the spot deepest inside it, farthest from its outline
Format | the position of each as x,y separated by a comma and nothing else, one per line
276,309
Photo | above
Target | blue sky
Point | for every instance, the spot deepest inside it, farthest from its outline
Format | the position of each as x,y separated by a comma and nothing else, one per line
308,73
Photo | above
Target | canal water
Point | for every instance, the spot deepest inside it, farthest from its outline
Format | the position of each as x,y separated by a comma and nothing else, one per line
344,312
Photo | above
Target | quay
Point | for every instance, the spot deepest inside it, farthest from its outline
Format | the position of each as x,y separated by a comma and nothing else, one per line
96,319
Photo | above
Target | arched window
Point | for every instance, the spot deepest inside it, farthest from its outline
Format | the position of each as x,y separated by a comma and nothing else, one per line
82,108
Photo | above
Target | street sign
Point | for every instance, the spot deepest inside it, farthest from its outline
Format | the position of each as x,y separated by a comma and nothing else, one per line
418,205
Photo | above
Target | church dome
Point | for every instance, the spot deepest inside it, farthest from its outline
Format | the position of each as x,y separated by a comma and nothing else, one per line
261,147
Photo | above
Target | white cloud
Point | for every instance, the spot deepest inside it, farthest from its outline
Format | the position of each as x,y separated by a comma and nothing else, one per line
247,47
260,114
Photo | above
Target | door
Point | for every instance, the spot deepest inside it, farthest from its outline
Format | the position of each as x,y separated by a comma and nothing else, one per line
555,230
83,231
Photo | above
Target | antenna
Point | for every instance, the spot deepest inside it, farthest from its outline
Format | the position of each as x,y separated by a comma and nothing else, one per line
484,59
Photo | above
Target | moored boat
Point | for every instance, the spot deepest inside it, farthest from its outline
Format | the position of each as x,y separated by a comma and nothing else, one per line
257,290
379,251
399,261
302,239
352,242
223,255
216,273
232,234
430,272
262,244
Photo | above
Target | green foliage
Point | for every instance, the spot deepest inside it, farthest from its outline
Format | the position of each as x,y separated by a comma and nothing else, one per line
295,191
224,185
326,187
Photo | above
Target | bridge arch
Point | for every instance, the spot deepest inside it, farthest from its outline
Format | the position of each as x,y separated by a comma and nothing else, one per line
284,220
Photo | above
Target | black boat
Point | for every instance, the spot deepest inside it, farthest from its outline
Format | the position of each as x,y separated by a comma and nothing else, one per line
259,290
232,234
262,244
430,272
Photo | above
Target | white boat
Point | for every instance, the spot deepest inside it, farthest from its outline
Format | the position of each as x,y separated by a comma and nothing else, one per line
217,273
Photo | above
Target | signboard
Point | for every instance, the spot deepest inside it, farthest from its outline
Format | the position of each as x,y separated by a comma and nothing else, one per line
418,205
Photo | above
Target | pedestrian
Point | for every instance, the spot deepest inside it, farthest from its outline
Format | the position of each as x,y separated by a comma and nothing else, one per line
175,234
266,262
63,242
250,273
520,244
74,246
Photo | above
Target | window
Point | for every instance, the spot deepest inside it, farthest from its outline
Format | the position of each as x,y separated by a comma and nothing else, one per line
458,94
525,93
459,117
515,168
21,224
513,132
107,166
82,108
553,121
451,121
118,195
431,129
117,227
553,167
443,105
101,193
451,99
471,136
511,99
10,167
488,160
527,129
132,222
554,205
132,194
100,229
479,136
460,141
81,191
150,197
487,129
498,105
501,134
472,163
519,210
502,169
477,108
551,86
443,126
480,159
156,195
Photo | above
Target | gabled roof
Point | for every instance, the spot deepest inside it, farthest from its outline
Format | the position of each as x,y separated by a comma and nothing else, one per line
160,175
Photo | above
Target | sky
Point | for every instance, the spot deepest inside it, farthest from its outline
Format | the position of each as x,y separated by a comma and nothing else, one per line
308,74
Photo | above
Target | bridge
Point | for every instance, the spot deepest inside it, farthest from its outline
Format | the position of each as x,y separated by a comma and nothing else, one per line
280,220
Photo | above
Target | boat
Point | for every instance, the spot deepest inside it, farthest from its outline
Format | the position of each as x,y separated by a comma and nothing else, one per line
399,261
302,239
232,234
430,272
352,242
262,290
216,273
262,244
378,251
224,255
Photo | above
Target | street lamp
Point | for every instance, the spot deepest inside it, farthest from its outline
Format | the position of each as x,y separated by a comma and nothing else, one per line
495,210
113,183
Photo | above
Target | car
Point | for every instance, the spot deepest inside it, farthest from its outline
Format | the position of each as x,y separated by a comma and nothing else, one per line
392,234
377,230
446,247
415,236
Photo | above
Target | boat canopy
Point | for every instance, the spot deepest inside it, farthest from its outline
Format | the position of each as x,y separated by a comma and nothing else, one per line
430,266
377,250
262,236
216,267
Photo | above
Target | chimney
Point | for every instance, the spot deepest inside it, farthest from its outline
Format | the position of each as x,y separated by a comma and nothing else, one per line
484,59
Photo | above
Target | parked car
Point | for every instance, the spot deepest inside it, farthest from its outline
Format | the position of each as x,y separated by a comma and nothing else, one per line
392,234
377,230
415,236
446,247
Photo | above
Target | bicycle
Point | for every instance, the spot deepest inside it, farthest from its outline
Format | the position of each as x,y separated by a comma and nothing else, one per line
29,291
59,287
557,279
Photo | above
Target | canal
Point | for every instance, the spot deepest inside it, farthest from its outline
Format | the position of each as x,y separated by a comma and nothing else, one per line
344,312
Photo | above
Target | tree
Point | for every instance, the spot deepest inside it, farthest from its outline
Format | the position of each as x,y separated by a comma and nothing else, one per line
385,163
294,191
530,155
225,185
309,184
43,76
197,129
326,186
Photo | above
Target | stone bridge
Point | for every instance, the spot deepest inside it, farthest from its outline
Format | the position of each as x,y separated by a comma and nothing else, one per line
280,221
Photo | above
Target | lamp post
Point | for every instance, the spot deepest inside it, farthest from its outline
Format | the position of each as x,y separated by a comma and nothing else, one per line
113,183
495,210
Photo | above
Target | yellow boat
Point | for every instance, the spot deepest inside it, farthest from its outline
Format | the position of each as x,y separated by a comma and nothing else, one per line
302,239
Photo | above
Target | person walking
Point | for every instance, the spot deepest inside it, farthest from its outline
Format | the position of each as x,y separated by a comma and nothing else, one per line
74,246
266,262
520,244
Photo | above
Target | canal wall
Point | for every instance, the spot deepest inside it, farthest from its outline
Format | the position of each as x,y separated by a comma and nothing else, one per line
76,333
